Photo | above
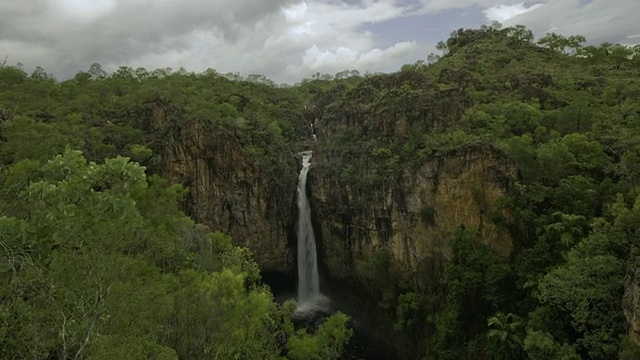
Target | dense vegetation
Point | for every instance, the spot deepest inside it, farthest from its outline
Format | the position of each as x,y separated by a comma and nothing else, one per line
98,261
568,115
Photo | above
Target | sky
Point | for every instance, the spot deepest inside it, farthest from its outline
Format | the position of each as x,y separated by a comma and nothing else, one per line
286,40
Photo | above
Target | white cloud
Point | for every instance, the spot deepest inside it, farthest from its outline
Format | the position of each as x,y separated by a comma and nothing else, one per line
335,60
328,37
315,37
286,40
598,21
502,13
430,6
83,9
283,39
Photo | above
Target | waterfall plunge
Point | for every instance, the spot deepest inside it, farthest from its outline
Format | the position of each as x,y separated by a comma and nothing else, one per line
309,297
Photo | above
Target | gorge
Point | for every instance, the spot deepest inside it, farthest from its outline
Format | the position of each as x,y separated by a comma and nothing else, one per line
483,206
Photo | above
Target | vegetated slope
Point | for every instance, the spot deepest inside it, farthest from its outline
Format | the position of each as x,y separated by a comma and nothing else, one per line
95,253
190,128
568,116
96,258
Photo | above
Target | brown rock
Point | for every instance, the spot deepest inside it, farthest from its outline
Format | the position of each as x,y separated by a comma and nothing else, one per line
414,213
229,191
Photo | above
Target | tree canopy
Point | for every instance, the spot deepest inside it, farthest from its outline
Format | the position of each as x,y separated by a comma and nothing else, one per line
98,260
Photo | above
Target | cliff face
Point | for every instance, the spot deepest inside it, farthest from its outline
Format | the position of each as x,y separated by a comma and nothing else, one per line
413,213
230,191
376,185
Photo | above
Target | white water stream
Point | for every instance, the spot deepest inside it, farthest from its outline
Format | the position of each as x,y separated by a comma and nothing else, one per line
309,296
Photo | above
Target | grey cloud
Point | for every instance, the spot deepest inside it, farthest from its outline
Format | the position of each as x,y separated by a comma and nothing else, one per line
129,30
597,20
432,6
252,36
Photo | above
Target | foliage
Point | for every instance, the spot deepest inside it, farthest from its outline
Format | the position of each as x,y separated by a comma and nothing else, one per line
478,284
99,262
407,311
328,342
565,112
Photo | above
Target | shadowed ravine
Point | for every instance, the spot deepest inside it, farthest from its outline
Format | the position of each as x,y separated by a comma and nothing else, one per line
313,306
364,345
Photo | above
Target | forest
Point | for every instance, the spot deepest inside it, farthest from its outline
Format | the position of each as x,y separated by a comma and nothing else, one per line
101,257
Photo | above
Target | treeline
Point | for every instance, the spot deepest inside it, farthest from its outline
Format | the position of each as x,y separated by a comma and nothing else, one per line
519,35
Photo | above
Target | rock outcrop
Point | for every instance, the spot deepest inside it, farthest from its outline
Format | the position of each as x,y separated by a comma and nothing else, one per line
413,213
371,194
229,191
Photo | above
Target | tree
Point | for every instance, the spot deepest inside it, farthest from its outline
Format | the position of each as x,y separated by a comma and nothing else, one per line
553,42
559,43
100,261
589,287
443,47
574,42
124,72
407,311
541,346
96,72
520,34
505,336
40,75
477,286
556,161
27,138
328,342
494,26
619,55
595,54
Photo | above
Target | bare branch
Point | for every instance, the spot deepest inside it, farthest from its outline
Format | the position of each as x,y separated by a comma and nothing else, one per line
5,61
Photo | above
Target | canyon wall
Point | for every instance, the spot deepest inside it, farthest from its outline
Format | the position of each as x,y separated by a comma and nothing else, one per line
414,212
230,190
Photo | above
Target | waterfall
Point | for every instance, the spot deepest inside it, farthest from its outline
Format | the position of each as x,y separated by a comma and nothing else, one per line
313,132
308,280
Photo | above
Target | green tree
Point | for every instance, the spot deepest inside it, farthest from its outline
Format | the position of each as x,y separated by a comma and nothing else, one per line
619,55
99,262
541,346
553,42
589,287
559,43
328,342
442,47
520,35
505,336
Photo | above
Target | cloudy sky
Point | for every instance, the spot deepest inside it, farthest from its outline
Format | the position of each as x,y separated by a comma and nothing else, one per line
287,40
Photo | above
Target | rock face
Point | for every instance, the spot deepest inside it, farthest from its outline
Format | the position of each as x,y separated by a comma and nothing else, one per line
231,192
370,194
413,214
